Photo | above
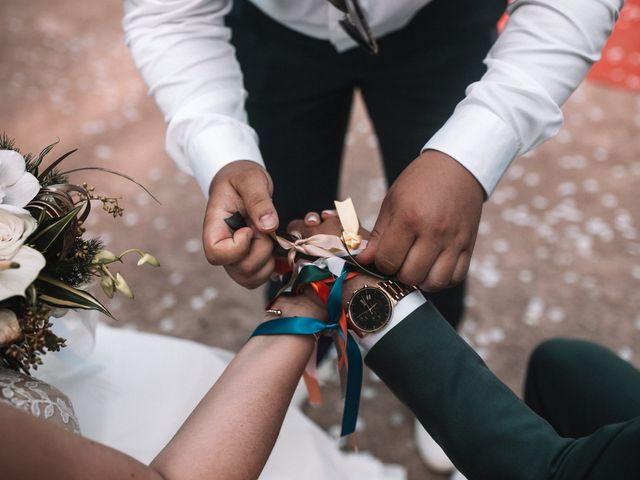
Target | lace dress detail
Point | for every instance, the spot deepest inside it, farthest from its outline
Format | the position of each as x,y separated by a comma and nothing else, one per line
37,398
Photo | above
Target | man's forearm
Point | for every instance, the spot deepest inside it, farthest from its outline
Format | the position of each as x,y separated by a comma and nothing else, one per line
183,52
544,53
484,428
487,431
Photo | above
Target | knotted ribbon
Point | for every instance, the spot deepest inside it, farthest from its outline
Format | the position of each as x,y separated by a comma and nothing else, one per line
323,245
350,358
312,268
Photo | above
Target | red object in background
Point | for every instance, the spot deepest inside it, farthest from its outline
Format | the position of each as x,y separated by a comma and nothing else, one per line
503,21
620,63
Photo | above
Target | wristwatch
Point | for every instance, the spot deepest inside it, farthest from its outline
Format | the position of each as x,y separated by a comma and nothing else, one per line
370,307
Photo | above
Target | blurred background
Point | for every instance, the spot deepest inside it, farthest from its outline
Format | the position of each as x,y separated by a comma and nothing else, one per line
558,253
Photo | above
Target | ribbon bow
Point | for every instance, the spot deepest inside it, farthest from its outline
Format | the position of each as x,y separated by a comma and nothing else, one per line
323,245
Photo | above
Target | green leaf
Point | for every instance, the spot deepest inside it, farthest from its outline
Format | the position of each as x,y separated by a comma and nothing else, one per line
58,294
36,163
50,230
55,163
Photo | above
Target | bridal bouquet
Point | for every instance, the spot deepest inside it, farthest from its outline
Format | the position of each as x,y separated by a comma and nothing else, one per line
45,261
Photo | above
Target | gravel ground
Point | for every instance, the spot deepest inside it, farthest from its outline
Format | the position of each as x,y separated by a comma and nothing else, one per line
558,251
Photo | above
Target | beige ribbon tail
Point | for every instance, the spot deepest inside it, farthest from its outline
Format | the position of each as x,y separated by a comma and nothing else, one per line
350,223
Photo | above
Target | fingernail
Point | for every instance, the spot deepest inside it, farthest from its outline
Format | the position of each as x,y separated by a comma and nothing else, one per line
329,212
295,233
268,221
313,218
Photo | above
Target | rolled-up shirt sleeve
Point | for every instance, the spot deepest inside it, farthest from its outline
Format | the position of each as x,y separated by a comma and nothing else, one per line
182,49
541,57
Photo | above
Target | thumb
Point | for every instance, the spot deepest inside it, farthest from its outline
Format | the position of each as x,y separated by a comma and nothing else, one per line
255,190
368,255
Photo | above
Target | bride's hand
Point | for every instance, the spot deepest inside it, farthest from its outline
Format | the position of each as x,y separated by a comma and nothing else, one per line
326,223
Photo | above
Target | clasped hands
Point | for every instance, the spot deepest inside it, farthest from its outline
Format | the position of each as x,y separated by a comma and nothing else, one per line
424,234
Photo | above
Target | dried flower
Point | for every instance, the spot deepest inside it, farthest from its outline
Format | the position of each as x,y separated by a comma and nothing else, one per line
150,259
107,285
10,330
104,256
121,285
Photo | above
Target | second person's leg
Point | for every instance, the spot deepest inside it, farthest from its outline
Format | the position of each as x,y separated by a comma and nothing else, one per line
580,386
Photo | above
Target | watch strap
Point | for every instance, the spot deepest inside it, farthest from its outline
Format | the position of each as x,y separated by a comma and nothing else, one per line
396,290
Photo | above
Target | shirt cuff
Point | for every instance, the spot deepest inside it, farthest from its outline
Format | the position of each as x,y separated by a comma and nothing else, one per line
401,310
215,147
480,141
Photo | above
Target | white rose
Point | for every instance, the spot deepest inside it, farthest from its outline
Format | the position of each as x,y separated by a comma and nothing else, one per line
16,224
17,186
19,264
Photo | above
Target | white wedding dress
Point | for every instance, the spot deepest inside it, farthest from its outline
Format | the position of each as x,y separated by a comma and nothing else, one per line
132,391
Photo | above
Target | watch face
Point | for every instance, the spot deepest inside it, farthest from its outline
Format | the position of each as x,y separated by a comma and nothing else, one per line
369,309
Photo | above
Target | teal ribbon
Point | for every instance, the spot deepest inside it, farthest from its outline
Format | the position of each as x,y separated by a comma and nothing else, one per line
293,326
334,302
309,326
354,359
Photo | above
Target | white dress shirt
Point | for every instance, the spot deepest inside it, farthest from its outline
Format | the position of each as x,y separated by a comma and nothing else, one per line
182,49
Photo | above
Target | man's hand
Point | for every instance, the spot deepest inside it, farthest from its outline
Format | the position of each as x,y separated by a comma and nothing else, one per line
246,187
428,222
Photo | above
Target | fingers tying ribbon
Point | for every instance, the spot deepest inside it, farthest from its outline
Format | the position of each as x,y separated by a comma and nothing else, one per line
323,245
316,246
319,246
312,261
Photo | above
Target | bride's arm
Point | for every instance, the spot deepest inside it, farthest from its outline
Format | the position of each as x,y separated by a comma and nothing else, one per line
228,436
35,448
236,424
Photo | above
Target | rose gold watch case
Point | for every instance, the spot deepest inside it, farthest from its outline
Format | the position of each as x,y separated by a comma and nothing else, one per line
354,326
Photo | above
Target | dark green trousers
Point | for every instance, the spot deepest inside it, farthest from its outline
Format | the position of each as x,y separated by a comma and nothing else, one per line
300,91
579,387
585,417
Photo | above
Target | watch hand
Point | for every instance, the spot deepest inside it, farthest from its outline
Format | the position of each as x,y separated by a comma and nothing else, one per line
369,310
